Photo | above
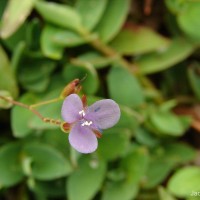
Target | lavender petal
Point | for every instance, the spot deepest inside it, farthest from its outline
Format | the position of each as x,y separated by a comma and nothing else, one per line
83,139
71,107
104,113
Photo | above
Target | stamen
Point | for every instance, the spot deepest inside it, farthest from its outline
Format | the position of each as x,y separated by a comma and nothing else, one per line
82,113
86,123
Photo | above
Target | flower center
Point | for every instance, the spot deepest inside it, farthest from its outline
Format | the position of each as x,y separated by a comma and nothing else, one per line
84,122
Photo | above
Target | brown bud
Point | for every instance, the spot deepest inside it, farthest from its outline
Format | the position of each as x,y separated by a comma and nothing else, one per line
73,87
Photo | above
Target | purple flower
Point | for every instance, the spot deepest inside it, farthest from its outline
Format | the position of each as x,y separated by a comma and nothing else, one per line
87,123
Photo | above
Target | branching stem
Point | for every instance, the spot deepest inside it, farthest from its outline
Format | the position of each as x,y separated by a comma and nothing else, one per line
35,112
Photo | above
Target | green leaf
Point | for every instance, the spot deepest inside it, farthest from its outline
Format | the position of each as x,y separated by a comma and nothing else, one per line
17,37
43,189
145,137
138,40
96,59
49,47
184,181
167,123
90,12
10,166
47,163
57,139
179,153
63,38
113,19
194,78
5,104
20,125
17,56
127,92
59,15
157,171
2,7
129,119
178,50
188,20
29,76
88,177
164,194
164,159
135,164
176,6
120,190
108,149
194,196
90,84
7,78
14,16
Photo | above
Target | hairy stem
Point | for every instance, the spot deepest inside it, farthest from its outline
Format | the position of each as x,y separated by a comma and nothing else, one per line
35,112
45,102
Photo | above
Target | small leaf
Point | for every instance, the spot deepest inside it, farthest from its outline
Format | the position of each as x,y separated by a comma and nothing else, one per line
64,38
7,78
14,16
145,137
29,76
120,190
128,119
88,177
16,38
90,12
179,153
113,19
5,104
188,20
2,7
49,47
135,164
164,194
90,84
59,14
10,167
20,125
96,59
175,6
107,144
157,171
18,54
138,40
185,181
178,50
167,123
47,162
194,78
127,92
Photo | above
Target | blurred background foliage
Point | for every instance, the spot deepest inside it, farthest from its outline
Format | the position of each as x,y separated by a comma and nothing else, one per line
144,54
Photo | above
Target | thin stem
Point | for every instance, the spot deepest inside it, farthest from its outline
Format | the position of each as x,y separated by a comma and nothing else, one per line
44,119
45,102
109,52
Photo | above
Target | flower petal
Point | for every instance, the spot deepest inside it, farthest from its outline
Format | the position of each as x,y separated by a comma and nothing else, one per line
82,139
104,113
71,107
